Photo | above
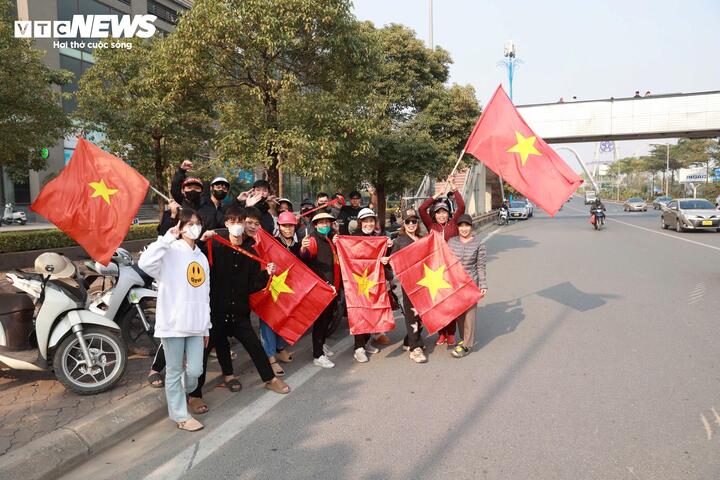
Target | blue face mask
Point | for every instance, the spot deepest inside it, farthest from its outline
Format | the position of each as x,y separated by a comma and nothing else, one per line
324,230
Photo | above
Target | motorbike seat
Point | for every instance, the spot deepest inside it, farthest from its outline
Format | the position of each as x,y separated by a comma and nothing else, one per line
76,293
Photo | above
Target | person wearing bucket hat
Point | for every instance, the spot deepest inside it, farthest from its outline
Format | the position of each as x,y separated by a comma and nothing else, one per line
284,205
274,344
318,252
367,220
409,234
190,192
473,257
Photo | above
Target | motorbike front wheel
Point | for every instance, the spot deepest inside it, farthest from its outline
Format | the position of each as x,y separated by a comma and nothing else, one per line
138,338
109,355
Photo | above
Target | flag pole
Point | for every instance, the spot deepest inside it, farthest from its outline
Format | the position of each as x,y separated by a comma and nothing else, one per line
160,193
454,169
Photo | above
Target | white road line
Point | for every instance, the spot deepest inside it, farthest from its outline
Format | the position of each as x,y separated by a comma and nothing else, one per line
206,446
659,233
717,416
708,429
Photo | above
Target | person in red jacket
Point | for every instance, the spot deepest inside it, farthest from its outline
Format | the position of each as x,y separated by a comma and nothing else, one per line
440,220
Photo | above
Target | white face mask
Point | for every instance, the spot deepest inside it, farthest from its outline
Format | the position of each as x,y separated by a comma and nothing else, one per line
236,230
193,232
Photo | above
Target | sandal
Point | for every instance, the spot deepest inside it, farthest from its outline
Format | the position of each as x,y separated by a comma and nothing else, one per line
156,380
284,356
234,385
279,372
191,425
197,406
277,386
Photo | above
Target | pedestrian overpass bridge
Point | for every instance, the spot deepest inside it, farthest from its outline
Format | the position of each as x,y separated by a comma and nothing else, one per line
691,115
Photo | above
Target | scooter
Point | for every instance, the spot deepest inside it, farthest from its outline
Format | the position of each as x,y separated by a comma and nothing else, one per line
13,215
54,331
502,217
598,218
130,302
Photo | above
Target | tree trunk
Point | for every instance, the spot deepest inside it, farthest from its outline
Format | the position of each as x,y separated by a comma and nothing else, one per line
271,123
380,186
159,170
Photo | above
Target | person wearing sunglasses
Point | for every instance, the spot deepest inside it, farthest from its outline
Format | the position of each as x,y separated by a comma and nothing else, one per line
409,233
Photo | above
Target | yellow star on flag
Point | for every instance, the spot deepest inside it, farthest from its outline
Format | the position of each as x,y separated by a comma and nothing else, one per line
278,285
524,146
364,283
434,280
102,190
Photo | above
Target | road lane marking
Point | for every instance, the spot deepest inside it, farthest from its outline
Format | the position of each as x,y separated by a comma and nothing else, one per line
696,296
206,446
658,233
490,235
717,416
708,429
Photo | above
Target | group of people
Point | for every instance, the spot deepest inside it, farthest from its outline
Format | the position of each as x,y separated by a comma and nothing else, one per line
204,286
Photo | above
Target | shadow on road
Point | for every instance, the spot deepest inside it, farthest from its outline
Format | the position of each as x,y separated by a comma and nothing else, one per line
497,319
509,242
567,294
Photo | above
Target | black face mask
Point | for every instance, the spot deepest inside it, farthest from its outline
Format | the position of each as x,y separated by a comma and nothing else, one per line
219,194
262,205
193,196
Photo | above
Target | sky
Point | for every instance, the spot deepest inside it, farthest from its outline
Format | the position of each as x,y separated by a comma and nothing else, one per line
588,49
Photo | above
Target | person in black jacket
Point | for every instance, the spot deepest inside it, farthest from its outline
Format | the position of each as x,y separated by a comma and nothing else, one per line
212,211
318,252
367,221
233,277
410,233
191,192
260,198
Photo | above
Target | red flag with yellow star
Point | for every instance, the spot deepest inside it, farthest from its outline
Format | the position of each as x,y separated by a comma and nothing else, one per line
435,281
295,296
368,303
506,145
94,200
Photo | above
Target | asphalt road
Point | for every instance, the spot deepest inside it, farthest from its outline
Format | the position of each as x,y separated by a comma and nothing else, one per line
597,359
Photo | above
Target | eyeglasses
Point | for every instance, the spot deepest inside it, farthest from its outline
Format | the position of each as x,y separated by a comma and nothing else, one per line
408,221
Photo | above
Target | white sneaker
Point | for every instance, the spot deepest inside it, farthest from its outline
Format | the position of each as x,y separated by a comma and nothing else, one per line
327,351
406,348
370,349
323,362
360,355
418,356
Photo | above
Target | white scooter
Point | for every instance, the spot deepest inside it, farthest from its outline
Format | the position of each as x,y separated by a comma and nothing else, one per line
85,350
130,301
12,215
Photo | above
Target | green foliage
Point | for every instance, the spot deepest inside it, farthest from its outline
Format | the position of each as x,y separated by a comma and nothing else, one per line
128,96
21,241
31,116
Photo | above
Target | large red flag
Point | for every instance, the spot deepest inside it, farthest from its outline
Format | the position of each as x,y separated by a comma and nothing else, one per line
94,200
438,286
506,145
295,296
368,303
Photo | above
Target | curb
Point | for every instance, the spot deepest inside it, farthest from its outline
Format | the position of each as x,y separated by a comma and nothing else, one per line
55,454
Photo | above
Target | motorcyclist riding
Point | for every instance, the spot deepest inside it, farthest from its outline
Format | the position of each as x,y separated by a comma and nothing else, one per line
597,205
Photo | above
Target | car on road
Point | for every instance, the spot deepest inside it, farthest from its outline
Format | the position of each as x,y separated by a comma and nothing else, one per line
661,202
690,214
519,210
635,204
590,196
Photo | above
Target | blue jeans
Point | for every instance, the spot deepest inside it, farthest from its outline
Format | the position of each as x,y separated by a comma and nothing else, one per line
271,341
179,350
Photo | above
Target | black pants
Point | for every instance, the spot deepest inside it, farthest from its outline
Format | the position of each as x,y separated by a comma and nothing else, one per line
320,329
241,329
159,361
361,340
413,324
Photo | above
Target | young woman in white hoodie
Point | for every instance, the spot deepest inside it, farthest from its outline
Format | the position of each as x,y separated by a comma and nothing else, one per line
182,317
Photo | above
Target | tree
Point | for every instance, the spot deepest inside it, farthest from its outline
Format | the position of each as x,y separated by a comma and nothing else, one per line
273,69
409,123
31,114
128,96
698,153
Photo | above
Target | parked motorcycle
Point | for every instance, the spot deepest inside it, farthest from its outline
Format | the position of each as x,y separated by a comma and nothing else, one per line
597,218
13,215
55,332
130,301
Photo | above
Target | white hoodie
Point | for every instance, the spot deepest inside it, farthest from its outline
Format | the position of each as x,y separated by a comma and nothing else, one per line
183,275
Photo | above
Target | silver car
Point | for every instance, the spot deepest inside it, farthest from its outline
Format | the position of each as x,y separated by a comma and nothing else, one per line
661,202
690,214
635,204
519,210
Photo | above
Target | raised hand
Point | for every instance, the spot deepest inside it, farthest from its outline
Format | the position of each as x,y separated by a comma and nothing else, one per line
186,165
